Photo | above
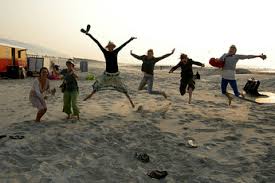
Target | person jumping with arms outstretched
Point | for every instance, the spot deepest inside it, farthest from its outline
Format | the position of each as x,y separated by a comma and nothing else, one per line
186,74
230,60
110,77
148,64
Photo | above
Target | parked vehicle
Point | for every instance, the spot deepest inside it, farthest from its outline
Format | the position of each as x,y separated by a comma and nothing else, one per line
13,61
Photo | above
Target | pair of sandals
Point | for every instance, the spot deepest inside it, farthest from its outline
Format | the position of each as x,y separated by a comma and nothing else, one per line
143,157
16,137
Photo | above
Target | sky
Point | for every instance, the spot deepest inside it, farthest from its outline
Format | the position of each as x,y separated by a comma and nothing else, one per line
200,28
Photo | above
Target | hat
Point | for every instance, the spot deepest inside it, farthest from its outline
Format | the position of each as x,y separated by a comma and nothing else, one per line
70,61
110,44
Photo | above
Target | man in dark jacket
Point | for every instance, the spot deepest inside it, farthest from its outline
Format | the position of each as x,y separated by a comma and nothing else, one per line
186,74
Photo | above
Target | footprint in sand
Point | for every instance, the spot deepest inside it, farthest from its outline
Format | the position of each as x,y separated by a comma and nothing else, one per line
162,110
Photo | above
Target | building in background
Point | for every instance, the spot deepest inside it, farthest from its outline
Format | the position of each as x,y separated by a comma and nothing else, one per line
13,61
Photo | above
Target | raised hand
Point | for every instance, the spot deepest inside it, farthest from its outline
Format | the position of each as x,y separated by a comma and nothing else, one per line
132,38
173,51
262,56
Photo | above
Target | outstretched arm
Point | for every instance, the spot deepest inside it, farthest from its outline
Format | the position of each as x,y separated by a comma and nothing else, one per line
198,63
164,56
86,32
175,67
136,56
241,57
96,41
124,44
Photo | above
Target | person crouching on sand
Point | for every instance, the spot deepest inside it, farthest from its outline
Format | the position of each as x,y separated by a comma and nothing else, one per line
110,79
148,64
230,60
37,94
186,74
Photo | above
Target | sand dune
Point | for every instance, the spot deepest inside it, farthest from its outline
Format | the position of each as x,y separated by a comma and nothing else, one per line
235,143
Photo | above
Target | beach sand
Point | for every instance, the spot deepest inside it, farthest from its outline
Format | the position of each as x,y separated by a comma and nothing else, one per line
235,143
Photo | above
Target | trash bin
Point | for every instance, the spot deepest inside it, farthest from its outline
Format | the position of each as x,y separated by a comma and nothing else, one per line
84,66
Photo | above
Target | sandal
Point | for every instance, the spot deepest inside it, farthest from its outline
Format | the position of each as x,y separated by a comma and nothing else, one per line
3,136
16,137
143,157
157,174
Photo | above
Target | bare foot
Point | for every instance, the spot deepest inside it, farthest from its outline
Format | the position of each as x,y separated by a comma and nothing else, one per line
164,95
229,100
140,108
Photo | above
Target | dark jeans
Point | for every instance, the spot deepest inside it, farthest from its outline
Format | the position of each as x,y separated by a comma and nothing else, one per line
149,80
233,84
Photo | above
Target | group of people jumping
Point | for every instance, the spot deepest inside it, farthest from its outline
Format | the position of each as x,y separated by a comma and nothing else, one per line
111,79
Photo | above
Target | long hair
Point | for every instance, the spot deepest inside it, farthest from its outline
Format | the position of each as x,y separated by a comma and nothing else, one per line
43,68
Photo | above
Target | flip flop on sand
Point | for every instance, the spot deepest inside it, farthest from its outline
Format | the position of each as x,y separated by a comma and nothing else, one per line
3,136
16,137
143,157
157,174
191,143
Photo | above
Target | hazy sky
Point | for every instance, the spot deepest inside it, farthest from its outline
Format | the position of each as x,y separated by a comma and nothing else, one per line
200,28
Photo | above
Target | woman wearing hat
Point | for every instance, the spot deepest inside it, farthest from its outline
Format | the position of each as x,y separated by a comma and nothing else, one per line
70,91
110,78
186,74
230,60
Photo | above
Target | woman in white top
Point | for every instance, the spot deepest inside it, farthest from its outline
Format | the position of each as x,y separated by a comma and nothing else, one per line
37,94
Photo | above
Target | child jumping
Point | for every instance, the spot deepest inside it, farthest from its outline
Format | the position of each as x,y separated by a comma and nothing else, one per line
186,74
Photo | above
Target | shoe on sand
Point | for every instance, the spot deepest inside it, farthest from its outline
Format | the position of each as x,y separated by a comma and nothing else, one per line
3,136
191,143
16,137
143,157
157,174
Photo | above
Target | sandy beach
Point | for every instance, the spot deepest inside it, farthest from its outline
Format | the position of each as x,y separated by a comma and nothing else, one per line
235,143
